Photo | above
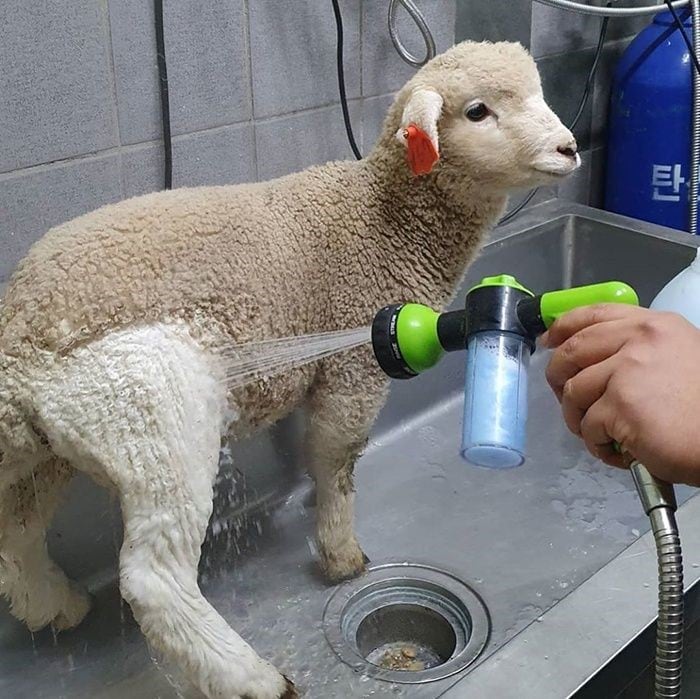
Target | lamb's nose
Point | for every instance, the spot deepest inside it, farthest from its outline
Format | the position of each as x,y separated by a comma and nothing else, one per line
569,150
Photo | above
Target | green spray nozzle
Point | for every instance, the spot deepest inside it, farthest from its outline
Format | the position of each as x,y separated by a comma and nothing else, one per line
410,338
554,304
417,325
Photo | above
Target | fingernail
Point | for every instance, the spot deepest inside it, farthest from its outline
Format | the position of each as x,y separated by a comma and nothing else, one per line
544,339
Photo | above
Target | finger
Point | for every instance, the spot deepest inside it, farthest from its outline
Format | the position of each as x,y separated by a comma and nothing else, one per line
578,319
580,392
609,455
587,347
597,433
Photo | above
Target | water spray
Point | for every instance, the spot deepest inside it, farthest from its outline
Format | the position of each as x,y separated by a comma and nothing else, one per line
498,328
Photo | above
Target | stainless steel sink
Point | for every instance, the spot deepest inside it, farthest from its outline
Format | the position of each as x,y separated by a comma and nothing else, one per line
556,550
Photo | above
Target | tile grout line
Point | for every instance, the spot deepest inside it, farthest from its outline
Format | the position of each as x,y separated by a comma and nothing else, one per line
115,150
251,87
141,145
61,162
317,108
581,49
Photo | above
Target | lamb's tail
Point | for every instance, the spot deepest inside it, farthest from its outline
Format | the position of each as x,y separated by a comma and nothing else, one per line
21,447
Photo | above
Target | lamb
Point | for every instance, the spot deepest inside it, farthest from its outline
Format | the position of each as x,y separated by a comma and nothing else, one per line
110,326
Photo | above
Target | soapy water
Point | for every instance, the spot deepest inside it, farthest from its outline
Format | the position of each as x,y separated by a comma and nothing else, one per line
253,361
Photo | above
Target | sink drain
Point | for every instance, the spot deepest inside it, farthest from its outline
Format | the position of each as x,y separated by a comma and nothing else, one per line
407,623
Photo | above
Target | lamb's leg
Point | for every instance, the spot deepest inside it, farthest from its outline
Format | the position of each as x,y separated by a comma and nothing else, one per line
144,409
37,589
342,412
158,578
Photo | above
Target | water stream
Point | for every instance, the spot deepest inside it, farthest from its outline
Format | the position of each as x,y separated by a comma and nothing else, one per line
252,361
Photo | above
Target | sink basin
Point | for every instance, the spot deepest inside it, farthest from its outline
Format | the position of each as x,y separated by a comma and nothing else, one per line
556,550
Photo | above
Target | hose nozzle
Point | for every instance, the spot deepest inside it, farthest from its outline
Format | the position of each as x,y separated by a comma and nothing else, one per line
498,327
652,492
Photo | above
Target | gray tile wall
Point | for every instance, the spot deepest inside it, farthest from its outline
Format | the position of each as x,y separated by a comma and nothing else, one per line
252,85
253,92
563,43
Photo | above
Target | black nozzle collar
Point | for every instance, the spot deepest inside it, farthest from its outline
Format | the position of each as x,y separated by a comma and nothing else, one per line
386,346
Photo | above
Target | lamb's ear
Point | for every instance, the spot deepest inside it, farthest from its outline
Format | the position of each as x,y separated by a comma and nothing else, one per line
419,132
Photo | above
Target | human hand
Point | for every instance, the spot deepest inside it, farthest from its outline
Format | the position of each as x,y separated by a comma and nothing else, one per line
630,375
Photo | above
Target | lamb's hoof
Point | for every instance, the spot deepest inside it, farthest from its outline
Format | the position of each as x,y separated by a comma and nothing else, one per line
76,609
344,565
71,607
271,684
290,691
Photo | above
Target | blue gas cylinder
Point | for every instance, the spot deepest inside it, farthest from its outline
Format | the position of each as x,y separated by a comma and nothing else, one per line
649,128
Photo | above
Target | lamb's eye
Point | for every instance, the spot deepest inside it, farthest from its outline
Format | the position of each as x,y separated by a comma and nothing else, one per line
477,112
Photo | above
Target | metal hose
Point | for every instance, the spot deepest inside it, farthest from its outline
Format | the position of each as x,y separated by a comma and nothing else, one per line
695,129
608,11
659,503
669,627
423,28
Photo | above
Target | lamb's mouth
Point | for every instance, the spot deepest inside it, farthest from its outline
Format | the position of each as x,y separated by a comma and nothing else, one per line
556,173
567,166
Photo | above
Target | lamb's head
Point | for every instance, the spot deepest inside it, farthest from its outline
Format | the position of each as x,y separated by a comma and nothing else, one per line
482,109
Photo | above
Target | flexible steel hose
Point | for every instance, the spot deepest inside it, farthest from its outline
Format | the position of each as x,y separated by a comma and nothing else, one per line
582,8
423,28
608,11
669,629
659,502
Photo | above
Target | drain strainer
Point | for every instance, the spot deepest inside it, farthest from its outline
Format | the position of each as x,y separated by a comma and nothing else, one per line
407,623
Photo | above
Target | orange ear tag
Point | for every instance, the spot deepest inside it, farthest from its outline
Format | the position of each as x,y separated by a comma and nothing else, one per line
421,152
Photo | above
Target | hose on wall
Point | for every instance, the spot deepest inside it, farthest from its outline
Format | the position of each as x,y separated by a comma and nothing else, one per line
340,68
164,95
417,16
585,9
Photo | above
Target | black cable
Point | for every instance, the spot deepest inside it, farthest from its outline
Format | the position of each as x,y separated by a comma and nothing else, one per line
512,214
341,80
579,112
591,74
681,28
164,97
